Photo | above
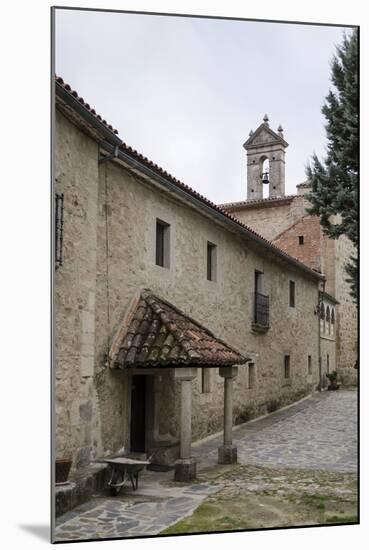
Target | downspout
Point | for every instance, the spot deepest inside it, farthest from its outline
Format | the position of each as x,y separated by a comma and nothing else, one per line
320,301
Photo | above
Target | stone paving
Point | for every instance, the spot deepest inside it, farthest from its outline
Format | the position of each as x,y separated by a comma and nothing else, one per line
317,433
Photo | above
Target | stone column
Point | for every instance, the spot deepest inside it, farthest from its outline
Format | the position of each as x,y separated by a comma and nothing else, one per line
185,467
227,453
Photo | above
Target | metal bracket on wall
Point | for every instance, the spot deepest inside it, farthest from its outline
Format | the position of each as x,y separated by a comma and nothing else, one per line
103,158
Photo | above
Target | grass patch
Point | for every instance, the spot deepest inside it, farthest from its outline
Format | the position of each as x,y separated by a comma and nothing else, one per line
341,519
207,518
315,501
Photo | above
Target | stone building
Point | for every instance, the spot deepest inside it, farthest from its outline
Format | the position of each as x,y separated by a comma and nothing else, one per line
173,318
283,219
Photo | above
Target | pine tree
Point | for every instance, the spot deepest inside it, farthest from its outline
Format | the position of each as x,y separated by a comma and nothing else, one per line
334,181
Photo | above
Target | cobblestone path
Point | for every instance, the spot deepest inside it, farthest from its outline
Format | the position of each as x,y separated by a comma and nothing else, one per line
318,434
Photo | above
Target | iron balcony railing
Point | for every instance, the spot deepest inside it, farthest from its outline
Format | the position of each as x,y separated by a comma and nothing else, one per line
261,309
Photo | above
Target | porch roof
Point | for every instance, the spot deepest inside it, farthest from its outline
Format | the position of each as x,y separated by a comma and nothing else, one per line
155,333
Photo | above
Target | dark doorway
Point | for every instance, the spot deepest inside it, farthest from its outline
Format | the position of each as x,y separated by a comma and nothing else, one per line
138,414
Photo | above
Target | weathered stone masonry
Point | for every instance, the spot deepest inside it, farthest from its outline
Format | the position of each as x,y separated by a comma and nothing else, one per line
285,221
110,215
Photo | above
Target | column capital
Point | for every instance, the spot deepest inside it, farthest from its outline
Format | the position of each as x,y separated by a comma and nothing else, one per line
228,372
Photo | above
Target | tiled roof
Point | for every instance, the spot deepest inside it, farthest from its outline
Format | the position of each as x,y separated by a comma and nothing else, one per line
154,333
222,209
269,201
304,184
66,87
329,297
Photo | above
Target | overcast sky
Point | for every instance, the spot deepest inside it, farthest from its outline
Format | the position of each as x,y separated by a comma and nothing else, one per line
185,92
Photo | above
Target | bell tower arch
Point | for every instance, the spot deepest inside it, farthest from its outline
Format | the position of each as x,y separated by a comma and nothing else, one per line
265,145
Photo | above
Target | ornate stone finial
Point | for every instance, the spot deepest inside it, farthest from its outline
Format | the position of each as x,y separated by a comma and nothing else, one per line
266,119
280,130
251,132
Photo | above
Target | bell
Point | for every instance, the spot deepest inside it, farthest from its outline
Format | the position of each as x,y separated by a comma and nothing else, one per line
265,178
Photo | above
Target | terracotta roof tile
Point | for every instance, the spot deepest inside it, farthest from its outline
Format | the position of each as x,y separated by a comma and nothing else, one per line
158,334
256,202
67,87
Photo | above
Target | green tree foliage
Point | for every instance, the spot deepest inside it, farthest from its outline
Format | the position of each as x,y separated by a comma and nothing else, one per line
334,181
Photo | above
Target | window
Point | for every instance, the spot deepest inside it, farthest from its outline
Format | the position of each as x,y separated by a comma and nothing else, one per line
287,372
322,317
162,243
205,380
292,293
301,239
332,322
328,320
211,264
309,365
251,376
261,302
327,363
258,281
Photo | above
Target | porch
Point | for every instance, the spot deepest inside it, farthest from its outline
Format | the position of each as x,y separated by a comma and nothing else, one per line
154,341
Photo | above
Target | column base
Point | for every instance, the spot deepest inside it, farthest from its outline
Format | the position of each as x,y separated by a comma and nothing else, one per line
185,469
227,454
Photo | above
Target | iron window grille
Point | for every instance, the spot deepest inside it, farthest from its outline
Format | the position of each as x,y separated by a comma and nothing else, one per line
59,228
261,309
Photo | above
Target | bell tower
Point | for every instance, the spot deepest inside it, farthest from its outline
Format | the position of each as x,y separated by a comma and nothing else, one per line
265,161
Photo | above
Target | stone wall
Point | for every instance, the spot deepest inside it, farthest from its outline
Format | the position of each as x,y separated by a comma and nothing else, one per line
224,306
76,404
109,250
283,223
270,220
346,330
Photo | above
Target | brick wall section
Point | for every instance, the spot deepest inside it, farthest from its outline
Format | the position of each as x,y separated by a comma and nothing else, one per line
310,252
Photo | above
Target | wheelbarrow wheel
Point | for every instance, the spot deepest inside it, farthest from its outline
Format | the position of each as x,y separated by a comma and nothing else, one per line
116,478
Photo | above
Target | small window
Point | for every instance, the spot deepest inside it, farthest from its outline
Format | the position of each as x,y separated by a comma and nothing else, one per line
309,365
211,264
322,317
332,322
258,282
251,376
328,320
292,293
287,372
301,239
327,363
205,380
162,243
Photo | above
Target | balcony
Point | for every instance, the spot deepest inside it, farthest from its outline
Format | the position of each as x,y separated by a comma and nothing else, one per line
260,322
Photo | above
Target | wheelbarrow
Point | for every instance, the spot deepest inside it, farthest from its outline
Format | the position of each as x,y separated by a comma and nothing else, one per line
124,468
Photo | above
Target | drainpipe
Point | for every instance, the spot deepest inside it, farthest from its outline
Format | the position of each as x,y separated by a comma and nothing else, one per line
320,301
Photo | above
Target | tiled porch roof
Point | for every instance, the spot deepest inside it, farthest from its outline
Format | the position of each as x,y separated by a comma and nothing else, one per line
155,333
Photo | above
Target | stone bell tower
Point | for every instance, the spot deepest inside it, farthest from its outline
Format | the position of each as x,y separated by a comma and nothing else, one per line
265,145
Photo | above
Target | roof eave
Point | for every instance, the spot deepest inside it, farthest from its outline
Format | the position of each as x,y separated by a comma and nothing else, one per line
126,158
111,140
98,125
